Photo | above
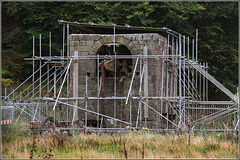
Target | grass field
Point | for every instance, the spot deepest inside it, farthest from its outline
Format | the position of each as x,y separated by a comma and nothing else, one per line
126,145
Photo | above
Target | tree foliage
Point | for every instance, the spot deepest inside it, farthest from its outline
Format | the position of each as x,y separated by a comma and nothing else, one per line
217,23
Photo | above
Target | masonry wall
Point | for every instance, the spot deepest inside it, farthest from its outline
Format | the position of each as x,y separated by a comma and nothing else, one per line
89,44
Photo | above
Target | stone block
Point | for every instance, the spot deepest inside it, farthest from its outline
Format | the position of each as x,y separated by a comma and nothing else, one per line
82,48
97,44
156,37
71,49
75,43
89,43
83,53
78,37
82,43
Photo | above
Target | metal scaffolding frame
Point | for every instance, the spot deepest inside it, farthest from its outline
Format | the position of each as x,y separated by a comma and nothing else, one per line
185,95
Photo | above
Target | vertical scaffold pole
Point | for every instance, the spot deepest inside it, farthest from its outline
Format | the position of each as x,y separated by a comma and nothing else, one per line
98,90
172,77
140,92
188,52
75,86
86,101
162,79
47,78
196,45
171,89
68,62
193,50
33,64
196,62
145,84
115,76
63,39
176,60
55,81
184,94
130,112
40,64
5,93
55,91
50,54
67,40
50,45
180,79
167,80
62,54
206,82
200,85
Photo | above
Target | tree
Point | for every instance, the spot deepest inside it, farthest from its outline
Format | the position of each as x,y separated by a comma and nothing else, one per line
216,22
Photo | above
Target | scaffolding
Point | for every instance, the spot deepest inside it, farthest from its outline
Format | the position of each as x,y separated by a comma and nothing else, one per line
51,99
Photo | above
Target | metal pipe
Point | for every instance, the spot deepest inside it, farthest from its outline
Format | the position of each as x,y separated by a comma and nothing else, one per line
184,94
145,84
188,50
106,57
130,111
115,77
200,86
180,87
167,78
193,50
173,99
162,79
68,62
87,110
40,63
159,113
67,40
21,113
62,84
98,90
206,82
175,66
196,44
63,39
140,92
196,82
33,63
55,87
86,101
50,54
50,45
130,88
5,93
47,77
34,88
35,113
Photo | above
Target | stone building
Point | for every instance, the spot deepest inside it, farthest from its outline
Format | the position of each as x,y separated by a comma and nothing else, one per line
129,43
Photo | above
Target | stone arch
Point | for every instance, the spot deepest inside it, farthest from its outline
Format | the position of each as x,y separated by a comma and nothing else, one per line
109,39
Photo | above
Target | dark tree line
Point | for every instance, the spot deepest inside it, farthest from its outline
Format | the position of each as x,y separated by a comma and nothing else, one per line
217,23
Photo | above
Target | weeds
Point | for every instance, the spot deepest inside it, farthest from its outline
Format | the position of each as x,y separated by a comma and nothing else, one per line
56,144
54,138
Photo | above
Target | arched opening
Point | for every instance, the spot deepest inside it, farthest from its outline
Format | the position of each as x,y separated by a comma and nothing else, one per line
123,66
107,79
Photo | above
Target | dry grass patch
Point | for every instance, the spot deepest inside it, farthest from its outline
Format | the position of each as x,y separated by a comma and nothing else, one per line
56,144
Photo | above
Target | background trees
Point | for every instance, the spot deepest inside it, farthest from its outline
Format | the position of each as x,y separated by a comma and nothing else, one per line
217,23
